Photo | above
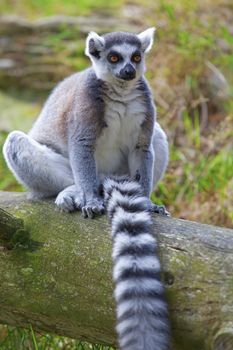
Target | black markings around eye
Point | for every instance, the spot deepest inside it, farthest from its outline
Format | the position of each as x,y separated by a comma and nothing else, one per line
136,57
114,57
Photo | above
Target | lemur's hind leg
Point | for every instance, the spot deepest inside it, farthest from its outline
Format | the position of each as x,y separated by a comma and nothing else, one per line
44,172
161,153
161,157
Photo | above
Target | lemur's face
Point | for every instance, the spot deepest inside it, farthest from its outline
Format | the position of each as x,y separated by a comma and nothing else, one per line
119,56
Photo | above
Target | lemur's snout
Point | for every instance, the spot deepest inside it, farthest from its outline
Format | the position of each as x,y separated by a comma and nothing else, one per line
128,72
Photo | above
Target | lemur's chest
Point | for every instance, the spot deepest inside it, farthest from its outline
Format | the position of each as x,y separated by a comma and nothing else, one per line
123,124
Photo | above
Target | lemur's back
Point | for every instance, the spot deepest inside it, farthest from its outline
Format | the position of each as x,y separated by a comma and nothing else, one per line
51,126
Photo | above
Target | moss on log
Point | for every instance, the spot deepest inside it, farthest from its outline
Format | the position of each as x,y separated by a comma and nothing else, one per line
55,273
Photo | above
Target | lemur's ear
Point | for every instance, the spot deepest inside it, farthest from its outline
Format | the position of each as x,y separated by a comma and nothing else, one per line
94,45
147,39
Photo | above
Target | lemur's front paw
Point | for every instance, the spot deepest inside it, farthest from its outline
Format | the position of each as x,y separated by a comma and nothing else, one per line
92,207
69,200
159,209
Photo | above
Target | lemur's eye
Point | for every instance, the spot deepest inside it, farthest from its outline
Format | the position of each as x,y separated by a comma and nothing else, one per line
136,58
114,58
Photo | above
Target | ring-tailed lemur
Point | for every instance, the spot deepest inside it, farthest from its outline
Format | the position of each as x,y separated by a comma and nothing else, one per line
142,314
98,122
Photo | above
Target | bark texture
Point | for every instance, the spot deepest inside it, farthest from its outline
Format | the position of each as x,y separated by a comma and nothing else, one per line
55,273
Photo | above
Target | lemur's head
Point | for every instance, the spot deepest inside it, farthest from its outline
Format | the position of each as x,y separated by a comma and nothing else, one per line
119,55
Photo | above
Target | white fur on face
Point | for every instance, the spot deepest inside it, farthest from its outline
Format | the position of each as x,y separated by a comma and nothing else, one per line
108,72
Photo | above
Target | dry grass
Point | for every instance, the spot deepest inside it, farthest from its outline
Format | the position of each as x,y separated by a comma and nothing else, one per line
193,54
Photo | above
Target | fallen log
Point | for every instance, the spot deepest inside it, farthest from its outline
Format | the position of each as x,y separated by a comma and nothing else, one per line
55,274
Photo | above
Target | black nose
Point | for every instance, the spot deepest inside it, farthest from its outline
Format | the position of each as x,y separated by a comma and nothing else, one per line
128,72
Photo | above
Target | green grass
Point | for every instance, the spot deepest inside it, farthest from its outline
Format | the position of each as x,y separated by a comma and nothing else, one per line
16,114
39,8
12,338
199,179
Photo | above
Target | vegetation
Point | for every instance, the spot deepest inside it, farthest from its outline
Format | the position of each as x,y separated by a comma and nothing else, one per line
38,8
191,74
12,338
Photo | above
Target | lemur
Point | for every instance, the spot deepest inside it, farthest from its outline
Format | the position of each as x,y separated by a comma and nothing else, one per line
96,123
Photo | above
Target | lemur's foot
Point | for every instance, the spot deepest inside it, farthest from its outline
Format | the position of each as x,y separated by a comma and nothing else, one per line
159,209
92,207
69,199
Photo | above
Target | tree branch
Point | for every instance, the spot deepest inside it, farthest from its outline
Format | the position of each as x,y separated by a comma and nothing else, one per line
55,273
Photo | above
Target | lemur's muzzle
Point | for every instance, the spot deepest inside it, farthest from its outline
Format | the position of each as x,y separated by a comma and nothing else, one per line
128,72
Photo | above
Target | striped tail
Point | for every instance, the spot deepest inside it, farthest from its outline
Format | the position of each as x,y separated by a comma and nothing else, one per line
142,315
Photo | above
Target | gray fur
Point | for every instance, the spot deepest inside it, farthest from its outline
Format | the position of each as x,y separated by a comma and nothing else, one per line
142,314
94,122
119,38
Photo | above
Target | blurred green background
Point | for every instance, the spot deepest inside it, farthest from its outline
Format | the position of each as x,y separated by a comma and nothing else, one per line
190,70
